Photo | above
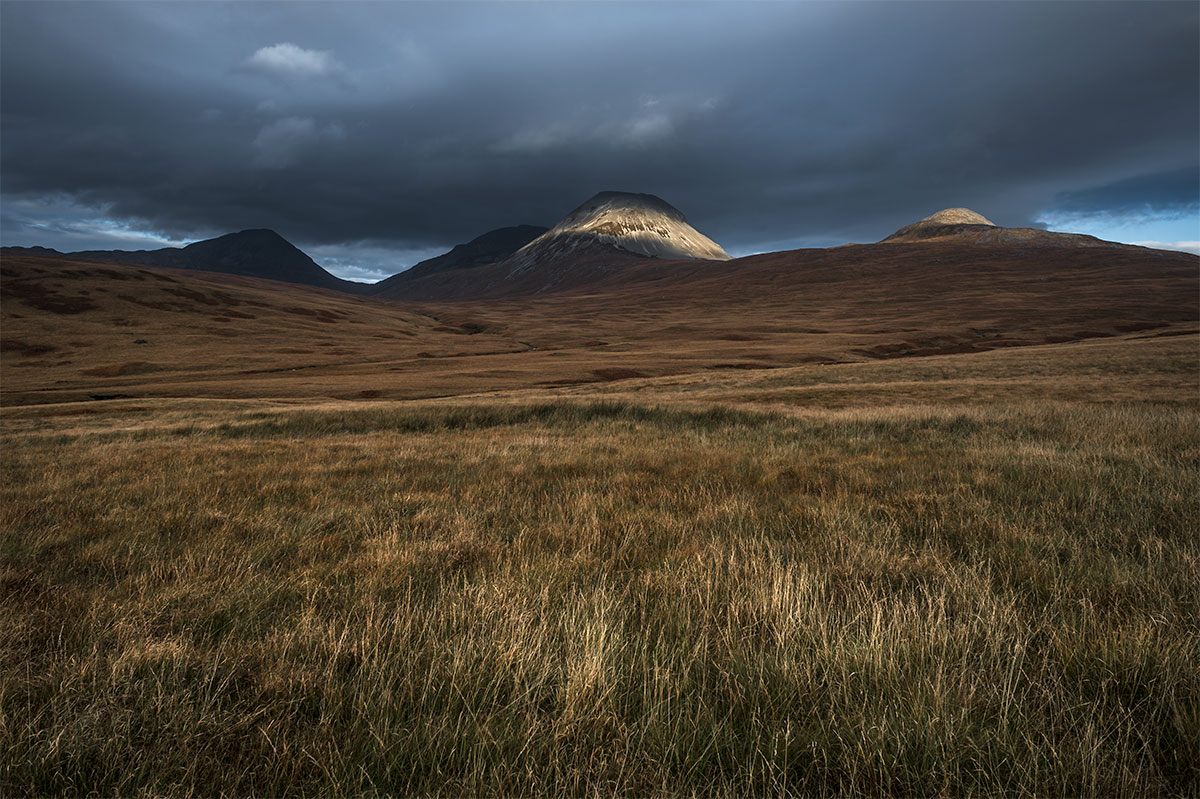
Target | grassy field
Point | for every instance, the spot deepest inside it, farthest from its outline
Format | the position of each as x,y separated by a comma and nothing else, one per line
971,574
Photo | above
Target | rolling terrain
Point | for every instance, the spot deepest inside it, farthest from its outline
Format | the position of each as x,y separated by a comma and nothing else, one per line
914,517
77,329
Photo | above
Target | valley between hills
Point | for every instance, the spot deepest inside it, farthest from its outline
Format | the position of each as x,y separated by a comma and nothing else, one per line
576,512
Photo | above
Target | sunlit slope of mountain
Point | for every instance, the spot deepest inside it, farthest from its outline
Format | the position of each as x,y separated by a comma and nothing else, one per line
598,239
641,224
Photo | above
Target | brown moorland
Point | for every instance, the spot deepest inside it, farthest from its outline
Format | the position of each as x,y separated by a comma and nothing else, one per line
72,331
689,533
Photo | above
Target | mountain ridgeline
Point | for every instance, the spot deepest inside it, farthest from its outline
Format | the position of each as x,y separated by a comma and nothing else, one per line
614,236
490,248
573,304
603,237
608,231
250,253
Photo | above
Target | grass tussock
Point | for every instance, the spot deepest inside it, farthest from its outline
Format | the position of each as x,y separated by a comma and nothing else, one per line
605,598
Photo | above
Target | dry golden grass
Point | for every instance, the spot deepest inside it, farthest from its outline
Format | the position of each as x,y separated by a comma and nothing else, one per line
955,575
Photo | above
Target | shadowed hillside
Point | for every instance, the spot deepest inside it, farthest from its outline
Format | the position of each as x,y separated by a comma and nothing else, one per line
250,253
72,329
77,329
490,248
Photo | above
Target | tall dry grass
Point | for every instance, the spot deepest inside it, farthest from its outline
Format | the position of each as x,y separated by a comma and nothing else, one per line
604,598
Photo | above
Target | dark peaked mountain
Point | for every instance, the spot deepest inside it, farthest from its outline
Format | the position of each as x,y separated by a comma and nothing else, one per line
620,223
490,248
250,253
611,232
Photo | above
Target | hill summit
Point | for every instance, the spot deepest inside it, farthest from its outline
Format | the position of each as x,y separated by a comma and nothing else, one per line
956,216
962,226
944,223
619,222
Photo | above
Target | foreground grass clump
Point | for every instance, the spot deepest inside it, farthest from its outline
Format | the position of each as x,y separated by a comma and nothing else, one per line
605,598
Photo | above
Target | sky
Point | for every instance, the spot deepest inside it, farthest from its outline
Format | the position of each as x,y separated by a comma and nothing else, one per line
373,135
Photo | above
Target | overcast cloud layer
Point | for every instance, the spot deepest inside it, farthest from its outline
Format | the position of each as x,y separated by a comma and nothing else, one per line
373,135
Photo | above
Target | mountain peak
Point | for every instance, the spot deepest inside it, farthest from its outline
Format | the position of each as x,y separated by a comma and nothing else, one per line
254,243
259,235
619,223
956,216
614,201
944,223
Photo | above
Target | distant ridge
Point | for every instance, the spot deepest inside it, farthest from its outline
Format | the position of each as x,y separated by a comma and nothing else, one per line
489,248
250,253
964,226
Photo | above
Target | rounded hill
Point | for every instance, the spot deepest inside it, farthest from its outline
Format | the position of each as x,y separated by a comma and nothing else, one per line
944,223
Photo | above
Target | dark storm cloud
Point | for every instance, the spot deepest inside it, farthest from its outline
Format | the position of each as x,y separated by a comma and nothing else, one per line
393,130
1174,191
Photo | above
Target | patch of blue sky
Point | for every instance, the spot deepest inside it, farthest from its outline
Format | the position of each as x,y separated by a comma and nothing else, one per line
1176,228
